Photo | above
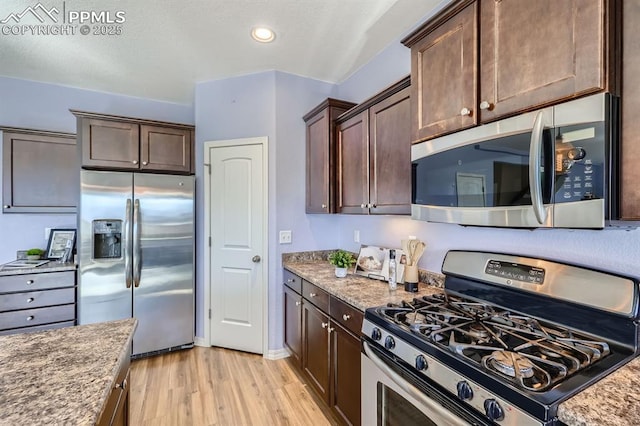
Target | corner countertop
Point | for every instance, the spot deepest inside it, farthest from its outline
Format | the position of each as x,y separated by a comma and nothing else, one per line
358,291
61,376
51,266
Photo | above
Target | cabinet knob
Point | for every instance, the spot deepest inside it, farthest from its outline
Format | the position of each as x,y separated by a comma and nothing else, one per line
29,282
30,317
330,329
325,324
324,206
485,105
298,303
373,206
346,317
6,206
312,294
29,300
362,206
122,385
135,161
144,163
291,280
465,111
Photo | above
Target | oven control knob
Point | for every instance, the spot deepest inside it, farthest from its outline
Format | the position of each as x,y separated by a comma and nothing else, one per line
493,410
464,391
376,334
421,363
389,343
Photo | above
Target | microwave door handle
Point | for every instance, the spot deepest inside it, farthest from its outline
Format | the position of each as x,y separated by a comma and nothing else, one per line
127,245
136,244
535,180
409,388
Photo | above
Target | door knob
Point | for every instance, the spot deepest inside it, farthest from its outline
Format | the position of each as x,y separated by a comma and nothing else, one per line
256,259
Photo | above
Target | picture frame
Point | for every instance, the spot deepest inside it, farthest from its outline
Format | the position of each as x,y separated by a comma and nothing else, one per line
373,262
60,241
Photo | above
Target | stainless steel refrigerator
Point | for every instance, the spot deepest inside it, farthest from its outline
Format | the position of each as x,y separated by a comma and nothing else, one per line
136,255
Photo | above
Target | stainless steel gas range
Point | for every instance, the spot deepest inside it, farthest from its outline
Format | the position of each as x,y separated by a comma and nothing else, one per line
508,341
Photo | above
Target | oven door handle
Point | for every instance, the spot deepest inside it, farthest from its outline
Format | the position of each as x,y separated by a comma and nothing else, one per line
535,180
409,388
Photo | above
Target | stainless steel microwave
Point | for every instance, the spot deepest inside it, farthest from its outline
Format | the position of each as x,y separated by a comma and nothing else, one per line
554,167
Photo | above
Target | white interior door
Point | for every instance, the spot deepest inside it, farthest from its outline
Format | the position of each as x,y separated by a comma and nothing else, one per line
237,227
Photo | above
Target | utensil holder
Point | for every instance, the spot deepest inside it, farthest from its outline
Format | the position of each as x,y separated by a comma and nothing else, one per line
411,273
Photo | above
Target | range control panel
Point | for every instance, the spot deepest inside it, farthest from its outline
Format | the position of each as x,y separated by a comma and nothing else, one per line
515,271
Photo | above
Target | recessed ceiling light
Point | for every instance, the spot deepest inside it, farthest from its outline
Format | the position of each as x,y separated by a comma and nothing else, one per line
263,34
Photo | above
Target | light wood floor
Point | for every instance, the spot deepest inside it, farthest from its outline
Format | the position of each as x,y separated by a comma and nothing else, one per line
214,386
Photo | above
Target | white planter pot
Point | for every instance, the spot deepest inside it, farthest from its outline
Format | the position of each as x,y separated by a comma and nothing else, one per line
341,272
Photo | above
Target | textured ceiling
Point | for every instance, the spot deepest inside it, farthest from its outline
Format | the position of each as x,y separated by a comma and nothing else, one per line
166,46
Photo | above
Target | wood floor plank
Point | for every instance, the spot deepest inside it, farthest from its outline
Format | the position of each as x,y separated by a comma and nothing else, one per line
220,387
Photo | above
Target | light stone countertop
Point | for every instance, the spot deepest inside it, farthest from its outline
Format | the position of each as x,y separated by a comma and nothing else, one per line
612,401
62,376
51,266
358,291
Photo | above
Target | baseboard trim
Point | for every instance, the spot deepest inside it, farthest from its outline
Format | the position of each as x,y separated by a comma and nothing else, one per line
274,354
200,341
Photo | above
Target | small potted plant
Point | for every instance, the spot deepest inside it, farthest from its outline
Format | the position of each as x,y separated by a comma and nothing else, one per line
34,253
342,260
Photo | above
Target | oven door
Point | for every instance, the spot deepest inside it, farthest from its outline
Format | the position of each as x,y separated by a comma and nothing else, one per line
393,396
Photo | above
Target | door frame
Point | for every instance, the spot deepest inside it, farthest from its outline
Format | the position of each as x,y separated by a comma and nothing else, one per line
264,142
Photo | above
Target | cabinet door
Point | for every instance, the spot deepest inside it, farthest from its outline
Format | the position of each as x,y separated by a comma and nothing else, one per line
345,397
353,165
315,357
165,149
537,52
109,144
630,149
390,155
39,173
320,164
444,77
293,325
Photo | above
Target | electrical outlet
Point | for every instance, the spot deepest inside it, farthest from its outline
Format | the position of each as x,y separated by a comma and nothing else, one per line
356,236
285,237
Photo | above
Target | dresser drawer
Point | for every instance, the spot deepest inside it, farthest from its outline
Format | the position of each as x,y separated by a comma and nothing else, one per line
292,281
29,317
350,317
37,328
315,295
37,299
29,282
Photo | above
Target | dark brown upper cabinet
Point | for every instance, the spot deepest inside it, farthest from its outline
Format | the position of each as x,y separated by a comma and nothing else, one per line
476,62
374,154
39,171
320,152
121,143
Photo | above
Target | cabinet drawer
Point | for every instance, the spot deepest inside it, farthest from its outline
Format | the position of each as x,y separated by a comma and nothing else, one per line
292,281
315,295
345,314
37,328
37,299
29,317
29,282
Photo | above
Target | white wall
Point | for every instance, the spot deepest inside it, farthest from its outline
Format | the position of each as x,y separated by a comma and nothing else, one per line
46,107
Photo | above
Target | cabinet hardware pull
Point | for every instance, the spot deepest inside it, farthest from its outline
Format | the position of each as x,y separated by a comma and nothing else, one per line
312,295
465,111
346,317
325,324
122,385
324,206
6,206
144,163
29,282
362,206
373,206
330,329
30,317
298,303
485,105
135,161
291,280
29,300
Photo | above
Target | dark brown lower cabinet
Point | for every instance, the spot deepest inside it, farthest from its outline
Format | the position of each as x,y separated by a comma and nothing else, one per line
325,346
116,410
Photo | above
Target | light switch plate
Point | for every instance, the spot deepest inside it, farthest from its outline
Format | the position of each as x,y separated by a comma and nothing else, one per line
356,236
285,237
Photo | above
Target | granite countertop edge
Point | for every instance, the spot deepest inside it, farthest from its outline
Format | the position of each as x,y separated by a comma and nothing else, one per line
51,266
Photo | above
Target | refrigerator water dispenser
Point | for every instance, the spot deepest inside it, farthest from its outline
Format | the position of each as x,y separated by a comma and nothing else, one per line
107,239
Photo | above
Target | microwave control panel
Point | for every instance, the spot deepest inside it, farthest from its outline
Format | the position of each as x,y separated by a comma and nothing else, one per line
515,271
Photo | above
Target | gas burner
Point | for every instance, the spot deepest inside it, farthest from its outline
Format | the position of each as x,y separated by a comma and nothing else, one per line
477,331
510,363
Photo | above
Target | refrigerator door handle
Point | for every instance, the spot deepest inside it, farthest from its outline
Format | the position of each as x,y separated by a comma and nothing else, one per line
127,245
137,267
